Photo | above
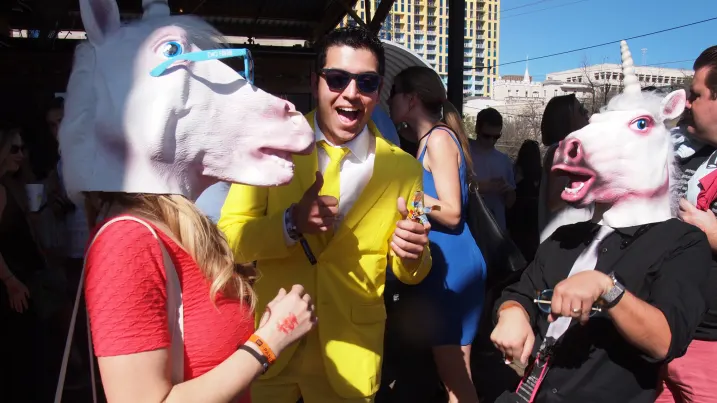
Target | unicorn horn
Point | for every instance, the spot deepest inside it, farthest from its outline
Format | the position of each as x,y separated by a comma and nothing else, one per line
155,8
632,84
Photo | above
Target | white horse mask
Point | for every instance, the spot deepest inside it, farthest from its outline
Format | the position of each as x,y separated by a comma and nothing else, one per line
148,112
624,158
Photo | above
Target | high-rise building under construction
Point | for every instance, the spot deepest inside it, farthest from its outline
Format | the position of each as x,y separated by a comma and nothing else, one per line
422,26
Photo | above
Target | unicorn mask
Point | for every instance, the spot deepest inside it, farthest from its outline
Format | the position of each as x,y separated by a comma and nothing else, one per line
624,158
151,109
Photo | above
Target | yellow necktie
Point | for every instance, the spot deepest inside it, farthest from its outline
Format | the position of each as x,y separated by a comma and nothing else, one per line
332,174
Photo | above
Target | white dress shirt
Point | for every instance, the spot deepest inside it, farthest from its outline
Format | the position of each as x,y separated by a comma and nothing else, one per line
355,172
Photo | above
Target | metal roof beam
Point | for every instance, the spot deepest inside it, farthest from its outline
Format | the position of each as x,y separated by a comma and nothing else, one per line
381,13
456,24
352,13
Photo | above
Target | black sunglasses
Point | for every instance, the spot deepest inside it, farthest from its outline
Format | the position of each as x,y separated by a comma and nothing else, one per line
16,149
545,299
338,80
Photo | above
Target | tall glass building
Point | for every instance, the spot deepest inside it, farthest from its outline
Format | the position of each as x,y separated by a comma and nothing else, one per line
422,26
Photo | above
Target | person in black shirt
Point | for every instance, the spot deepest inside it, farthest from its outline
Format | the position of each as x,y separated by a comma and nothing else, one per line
615,298
616,355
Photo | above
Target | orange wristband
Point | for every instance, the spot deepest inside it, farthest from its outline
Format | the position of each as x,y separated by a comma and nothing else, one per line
509,304
263,347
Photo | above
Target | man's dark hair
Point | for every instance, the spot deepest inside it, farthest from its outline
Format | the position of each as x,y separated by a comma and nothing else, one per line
56,103
557,121
488,116
355,37
708,59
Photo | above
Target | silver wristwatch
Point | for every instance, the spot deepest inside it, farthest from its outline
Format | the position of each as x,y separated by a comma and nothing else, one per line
614,294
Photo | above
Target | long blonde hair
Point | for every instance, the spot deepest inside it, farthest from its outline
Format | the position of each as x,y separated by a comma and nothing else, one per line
427,85
191,229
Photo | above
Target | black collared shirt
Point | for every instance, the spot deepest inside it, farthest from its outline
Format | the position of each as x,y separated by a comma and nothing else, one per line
665,264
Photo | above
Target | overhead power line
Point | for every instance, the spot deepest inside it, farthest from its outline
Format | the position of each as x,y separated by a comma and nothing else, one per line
542,9
524,5
596,46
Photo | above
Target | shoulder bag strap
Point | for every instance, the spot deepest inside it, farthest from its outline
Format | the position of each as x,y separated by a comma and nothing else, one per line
175,315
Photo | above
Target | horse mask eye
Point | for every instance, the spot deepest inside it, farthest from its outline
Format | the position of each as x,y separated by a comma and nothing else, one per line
172,49
641,125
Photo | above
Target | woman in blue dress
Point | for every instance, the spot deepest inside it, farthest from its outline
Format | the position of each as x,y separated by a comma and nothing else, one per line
454,289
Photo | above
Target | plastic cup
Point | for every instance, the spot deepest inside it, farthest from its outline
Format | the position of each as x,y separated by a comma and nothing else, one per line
35,195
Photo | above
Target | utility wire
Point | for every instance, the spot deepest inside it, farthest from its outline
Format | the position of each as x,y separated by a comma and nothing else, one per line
542,9
524,5
595,46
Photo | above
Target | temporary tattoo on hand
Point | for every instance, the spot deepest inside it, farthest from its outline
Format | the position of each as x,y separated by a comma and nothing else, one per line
288,324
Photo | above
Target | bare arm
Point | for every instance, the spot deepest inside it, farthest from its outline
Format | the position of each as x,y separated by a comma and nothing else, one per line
643,325
133,342
443,159
18,293
143,378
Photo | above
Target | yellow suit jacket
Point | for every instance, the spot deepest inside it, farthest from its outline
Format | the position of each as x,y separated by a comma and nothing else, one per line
348,281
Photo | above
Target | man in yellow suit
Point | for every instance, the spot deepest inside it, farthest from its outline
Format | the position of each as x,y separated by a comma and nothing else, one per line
334,229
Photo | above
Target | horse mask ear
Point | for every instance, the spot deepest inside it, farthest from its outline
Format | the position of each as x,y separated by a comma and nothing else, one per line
101,19
673,105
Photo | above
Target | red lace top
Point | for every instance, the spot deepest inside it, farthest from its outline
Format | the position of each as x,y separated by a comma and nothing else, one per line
125,289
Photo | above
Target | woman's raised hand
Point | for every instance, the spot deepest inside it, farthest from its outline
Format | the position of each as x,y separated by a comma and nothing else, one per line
17,294
287,318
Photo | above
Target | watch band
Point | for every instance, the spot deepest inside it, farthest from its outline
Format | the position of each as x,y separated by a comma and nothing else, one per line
262,360
289,224
614,294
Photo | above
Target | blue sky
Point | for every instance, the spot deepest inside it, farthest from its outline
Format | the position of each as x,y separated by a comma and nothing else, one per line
541,27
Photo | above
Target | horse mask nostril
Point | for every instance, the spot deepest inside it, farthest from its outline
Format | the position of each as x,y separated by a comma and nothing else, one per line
574,149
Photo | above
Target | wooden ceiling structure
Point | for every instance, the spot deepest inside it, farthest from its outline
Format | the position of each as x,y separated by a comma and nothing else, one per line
43,62
287,19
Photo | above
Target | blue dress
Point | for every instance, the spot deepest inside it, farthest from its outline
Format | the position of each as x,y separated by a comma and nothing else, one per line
455,286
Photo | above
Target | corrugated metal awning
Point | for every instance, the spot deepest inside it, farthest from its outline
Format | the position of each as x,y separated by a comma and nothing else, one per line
289,19
398,58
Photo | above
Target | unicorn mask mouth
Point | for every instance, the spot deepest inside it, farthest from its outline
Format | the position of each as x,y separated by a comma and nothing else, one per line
580,182
279,157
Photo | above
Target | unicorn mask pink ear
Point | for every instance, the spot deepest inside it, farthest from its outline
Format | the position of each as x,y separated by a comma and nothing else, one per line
673,105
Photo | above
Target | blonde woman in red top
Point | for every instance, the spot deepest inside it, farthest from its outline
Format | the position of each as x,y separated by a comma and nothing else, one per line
151,120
